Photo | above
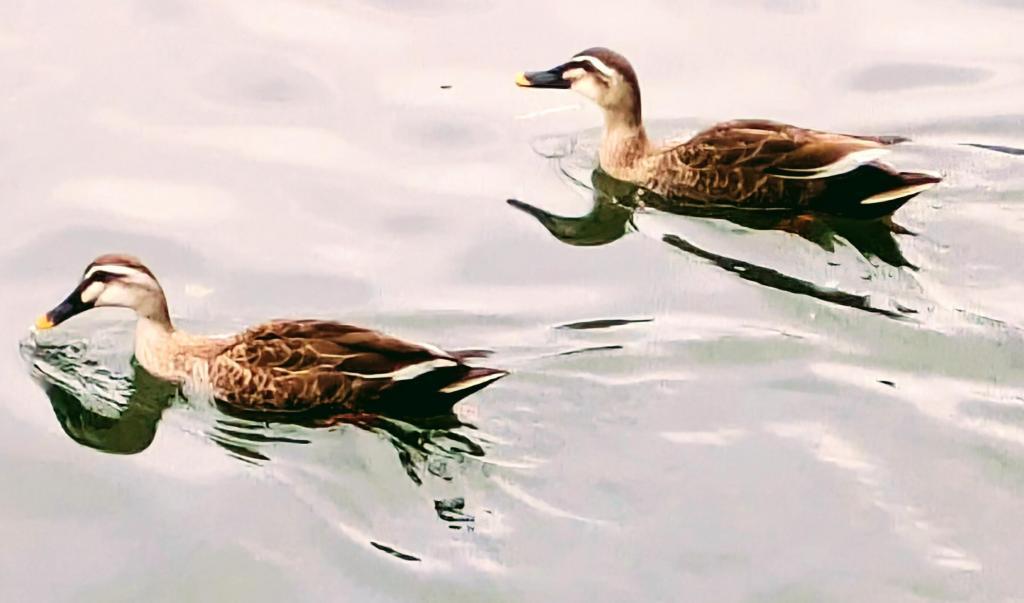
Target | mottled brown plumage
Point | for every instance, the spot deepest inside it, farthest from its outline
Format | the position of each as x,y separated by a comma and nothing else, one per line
285,366
754,164
291,365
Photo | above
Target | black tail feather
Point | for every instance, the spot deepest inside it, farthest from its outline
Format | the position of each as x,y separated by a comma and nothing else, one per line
433,393
863,192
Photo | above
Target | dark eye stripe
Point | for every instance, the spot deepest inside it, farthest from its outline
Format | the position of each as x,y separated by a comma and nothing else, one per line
102,277
584,65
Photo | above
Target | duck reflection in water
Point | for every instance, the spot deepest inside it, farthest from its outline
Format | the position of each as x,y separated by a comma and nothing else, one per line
96,407
617,201
422,443
119,413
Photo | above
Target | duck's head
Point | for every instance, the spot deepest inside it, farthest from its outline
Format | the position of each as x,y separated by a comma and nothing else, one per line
604,76
113,280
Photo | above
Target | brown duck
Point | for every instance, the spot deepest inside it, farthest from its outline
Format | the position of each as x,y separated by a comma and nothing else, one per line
282,366
750,163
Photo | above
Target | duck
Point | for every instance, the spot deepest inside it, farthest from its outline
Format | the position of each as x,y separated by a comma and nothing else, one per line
282,366
754,164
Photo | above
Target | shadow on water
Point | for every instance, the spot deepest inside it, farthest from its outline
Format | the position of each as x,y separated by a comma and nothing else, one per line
119,414
998,148
423,445
615,203
606,222
777,280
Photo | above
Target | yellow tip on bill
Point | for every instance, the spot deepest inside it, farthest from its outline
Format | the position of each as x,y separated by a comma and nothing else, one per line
43,323
522,81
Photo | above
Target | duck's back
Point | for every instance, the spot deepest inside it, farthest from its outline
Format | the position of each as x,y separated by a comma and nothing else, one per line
760,164
293,366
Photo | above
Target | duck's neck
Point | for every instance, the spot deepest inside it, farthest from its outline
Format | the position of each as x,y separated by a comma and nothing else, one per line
173,355
161,349
156,343
623,144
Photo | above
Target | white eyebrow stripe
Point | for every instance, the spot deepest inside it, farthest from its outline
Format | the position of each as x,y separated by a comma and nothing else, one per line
92,292
112,269
597,63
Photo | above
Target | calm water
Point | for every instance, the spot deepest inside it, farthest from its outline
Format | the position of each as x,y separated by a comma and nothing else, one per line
700,410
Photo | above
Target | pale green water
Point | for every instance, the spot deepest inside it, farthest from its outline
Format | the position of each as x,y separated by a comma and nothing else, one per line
749,438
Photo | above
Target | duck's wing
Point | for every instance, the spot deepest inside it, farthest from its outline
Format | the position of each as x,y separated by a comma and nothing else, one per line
778,149
304,344
770,164
296,365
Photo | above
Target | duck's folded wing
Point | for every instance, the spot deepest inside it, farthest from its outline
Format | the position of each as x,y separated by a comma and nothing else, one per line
780,150
298,365
309,345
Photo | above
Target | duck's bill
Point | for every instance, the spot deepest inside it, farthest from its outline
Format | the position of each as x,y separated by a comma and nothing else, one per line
552,78
66,309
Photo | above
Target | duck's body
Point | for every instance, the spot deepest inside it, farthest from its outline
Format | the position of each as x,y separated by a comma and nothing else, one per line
754,164
760,164
280,366
290,365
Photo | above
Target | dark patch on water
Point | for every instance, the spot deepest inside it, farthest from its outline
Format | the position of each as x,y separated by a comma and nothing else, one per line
394,553
996,147
602,323
453,511
596,348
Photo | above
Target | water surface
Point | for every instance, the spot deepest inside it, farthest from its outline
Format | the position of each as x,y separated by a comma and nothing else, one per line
701,409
